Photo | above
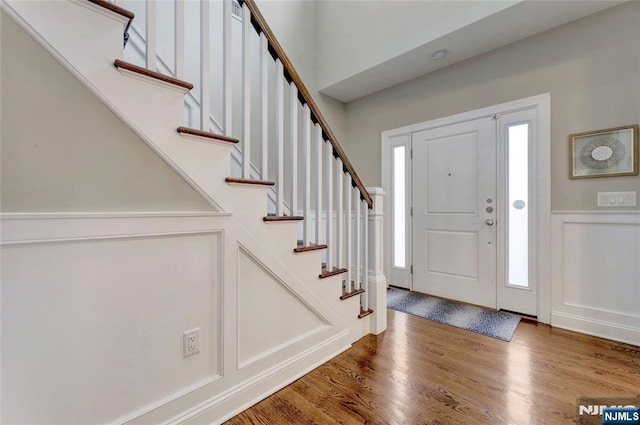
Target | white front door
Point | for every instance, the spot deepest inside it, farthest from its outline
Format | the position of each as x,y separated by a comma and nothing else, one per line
454,211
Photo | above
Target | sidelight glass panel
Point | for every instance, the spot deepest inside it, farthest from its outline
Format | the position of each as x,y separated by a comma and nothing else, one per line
399,209
518,205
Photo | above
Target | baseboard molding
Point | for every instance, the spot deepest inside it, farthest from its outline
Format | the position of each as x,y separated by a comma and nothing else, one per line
602,329
237,399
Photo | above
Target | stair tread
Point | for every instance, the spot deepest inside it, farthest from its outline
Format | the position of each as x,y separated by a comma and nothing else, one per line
283,218
311,247
347,295
116,9
333,272
364,313
249,181
207,134
151,74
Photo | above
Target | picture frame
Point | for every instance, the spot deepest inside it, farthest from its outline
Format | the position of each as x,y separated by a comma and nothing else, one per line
611,152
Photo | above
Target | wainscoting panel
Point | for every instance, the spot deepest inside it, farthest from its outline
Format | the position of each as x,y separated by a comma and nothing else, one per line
596,273
94,324
291,320
94,307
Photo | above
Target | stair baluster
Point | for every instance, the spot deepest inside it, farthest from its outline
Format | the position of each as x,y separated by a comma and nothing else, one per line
227,70
348,228
293,146
264,107
179,36
151,34
306,158
357,238
246,91
364,298
279,109
339,214
318,181
205,65
329,205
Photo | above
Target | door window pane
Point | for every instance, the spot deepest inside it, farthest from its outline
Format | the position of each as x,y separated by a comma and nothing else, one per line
399,208
518,205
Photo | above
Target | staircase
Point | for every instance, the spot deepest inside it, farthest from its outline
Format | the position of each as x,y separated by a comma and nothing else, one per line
292,274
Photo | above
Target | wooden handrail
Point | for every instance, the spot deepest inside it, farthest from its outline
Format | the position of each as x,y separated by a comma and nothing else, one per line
276,50
116,9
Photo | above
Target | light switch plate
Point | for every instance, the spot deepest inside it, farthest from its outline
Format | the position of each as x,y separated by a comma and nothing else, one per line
617,199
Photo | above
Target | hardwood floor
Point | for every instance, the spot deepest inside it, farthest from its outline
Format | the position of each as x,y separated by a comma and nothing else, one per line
423,372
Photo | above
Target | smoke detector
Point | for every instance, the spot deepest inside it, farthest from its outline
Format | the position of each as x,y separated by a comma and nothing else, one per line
439,54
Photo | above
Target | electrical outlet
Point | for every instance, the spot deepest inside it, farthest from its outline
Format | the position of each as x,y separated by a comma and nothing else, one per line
191,342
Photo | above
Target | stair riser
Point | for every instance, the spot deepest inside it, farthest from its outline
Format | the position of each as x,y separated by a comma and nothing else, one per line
133,96
329,291
59,23
207,165
358,327
311,262
280,236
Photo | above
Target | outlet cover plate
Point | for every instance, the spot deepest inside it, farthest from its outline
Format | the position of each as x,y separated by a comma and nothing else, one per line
191,342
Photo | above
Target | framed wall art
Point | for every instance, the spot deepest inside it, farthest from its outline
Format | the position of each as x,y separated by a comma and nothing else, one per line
604,153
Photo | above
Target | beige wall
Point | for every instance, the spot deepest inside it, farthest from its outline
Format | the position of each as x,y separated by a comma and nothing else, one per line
591,67
64,151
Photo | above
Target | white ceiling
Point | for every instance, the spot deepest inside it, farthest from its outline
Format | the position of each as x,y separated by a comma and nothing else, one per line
516,22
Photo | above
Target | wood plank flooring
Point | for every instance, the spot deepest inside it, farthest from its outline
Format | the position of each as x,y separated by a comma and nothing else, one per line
423,372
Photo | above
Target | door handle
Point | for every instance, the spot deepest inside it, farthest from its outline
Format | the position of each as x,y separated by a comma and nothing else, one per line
489,222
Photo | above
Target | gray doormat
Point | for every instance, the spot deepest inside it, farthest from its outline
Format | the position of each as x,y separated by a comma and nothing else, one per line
491,323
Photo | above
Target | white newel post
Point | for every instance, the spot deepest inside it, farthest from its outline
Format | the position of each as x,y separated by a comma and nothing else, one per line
377,282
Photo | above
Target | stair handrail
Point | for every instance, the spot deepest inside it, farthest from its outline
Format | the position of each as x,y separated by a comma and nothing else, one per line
277,52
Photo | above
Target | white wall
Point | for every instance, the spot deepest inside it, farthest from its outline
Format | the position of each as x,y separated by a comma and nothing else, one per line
63,150
591,67
354,36
295,24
